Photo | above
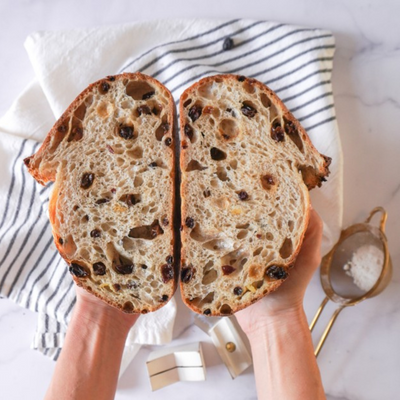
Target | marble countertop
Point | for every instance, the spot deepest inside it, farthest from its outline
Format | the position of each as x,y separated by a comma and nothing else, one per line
361,359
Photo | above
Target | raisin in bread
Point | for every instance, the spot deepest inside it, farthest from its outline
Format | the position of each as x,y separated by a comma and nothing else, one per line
247,166
111,156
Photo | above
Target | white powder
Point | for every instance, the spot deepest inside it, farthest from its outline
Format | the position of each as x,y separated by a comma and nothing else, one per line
365,266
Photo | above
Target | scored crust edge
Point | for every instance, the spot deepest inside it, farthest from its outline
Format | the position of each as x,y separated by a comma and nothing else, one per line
43,179
313,181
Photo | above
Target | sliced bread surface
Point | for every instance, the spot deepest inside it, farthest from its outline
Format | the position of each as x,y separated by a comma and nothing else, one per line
247,166
111,156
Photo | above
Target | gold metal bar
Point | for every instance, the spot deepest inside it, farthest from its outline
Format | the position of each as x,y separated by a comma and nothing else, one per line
327,330
321,307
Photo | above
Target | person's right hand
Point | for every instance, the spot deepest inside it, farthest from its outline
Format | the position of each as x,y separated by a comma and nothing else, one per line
288,298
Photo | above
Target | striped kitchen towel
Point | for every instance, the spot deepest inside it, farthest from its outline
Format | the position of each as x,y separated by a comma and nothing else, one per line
294,61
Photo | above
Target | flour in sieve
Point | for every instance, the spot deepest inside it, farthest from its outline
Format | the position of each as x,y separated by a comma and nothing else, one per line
365,266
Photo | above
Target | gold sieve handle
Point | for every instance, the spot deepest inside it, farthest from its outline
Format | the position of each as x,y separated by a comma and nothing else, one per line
321,307
328,327
327,330
383,218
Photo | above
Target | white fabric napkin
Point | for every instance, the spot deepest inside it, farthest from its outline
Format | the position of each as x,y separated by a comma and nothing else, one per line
294,61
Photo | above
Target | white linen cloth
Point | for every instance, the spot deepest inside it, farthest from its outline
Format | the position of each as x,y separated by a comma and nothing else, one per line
294,61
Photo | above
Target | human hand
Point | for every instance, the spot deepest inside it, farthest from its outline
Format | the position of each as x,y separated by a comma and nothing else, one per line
91,356
96,311
288,299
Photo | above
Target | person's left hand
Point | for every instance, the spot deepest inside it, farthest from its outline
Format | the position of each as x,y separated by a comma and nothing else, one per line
95,310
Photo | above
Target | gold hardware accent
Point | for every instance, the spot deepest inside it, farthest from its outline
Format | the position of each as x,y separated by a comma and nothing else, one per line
231,347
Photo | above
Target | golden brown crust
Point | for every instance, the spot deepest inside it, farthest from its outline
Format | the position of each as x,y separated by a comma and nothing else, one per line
314,178
44,176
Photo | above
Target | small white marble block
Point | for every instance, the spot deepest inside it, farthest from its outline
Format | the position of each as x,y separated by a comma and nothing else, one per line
170,365
231,347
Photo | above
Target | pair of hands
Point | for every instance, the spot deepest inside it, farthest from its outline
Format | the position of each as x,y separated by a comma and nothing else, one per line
285,301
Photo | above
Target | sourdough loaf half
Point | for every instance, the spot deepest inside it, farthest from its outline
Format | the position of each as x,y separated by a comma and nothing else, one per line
247,165
111,156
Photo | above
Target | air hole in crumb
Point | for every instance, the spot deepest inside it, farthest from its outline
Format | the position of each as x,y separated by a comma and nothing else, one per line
155,107
248,86
292,132
265,100
162,129
130,199
105,227
258,284
120,161
233,163
222,203
242,226
200,302
104,109
218,245
139,90
216,112
242,234
286,249
257,251
205,90
128,307
209,276
147,232
225,309
243,262
209,265
217,154
209,298
80,112
273,113
228,129
215,183
222,174
265,252
135,153
194,165
197,234
207,193
291,225
138,181
126,104
128,243
69,248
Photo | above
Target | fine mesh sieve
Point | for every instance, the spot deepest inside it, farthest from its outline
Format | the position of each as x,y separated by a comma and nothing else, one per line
338,286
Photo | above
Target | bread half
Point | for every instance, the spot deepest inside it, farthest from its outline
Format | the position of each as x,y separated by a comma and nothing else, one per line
111,156
247,165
